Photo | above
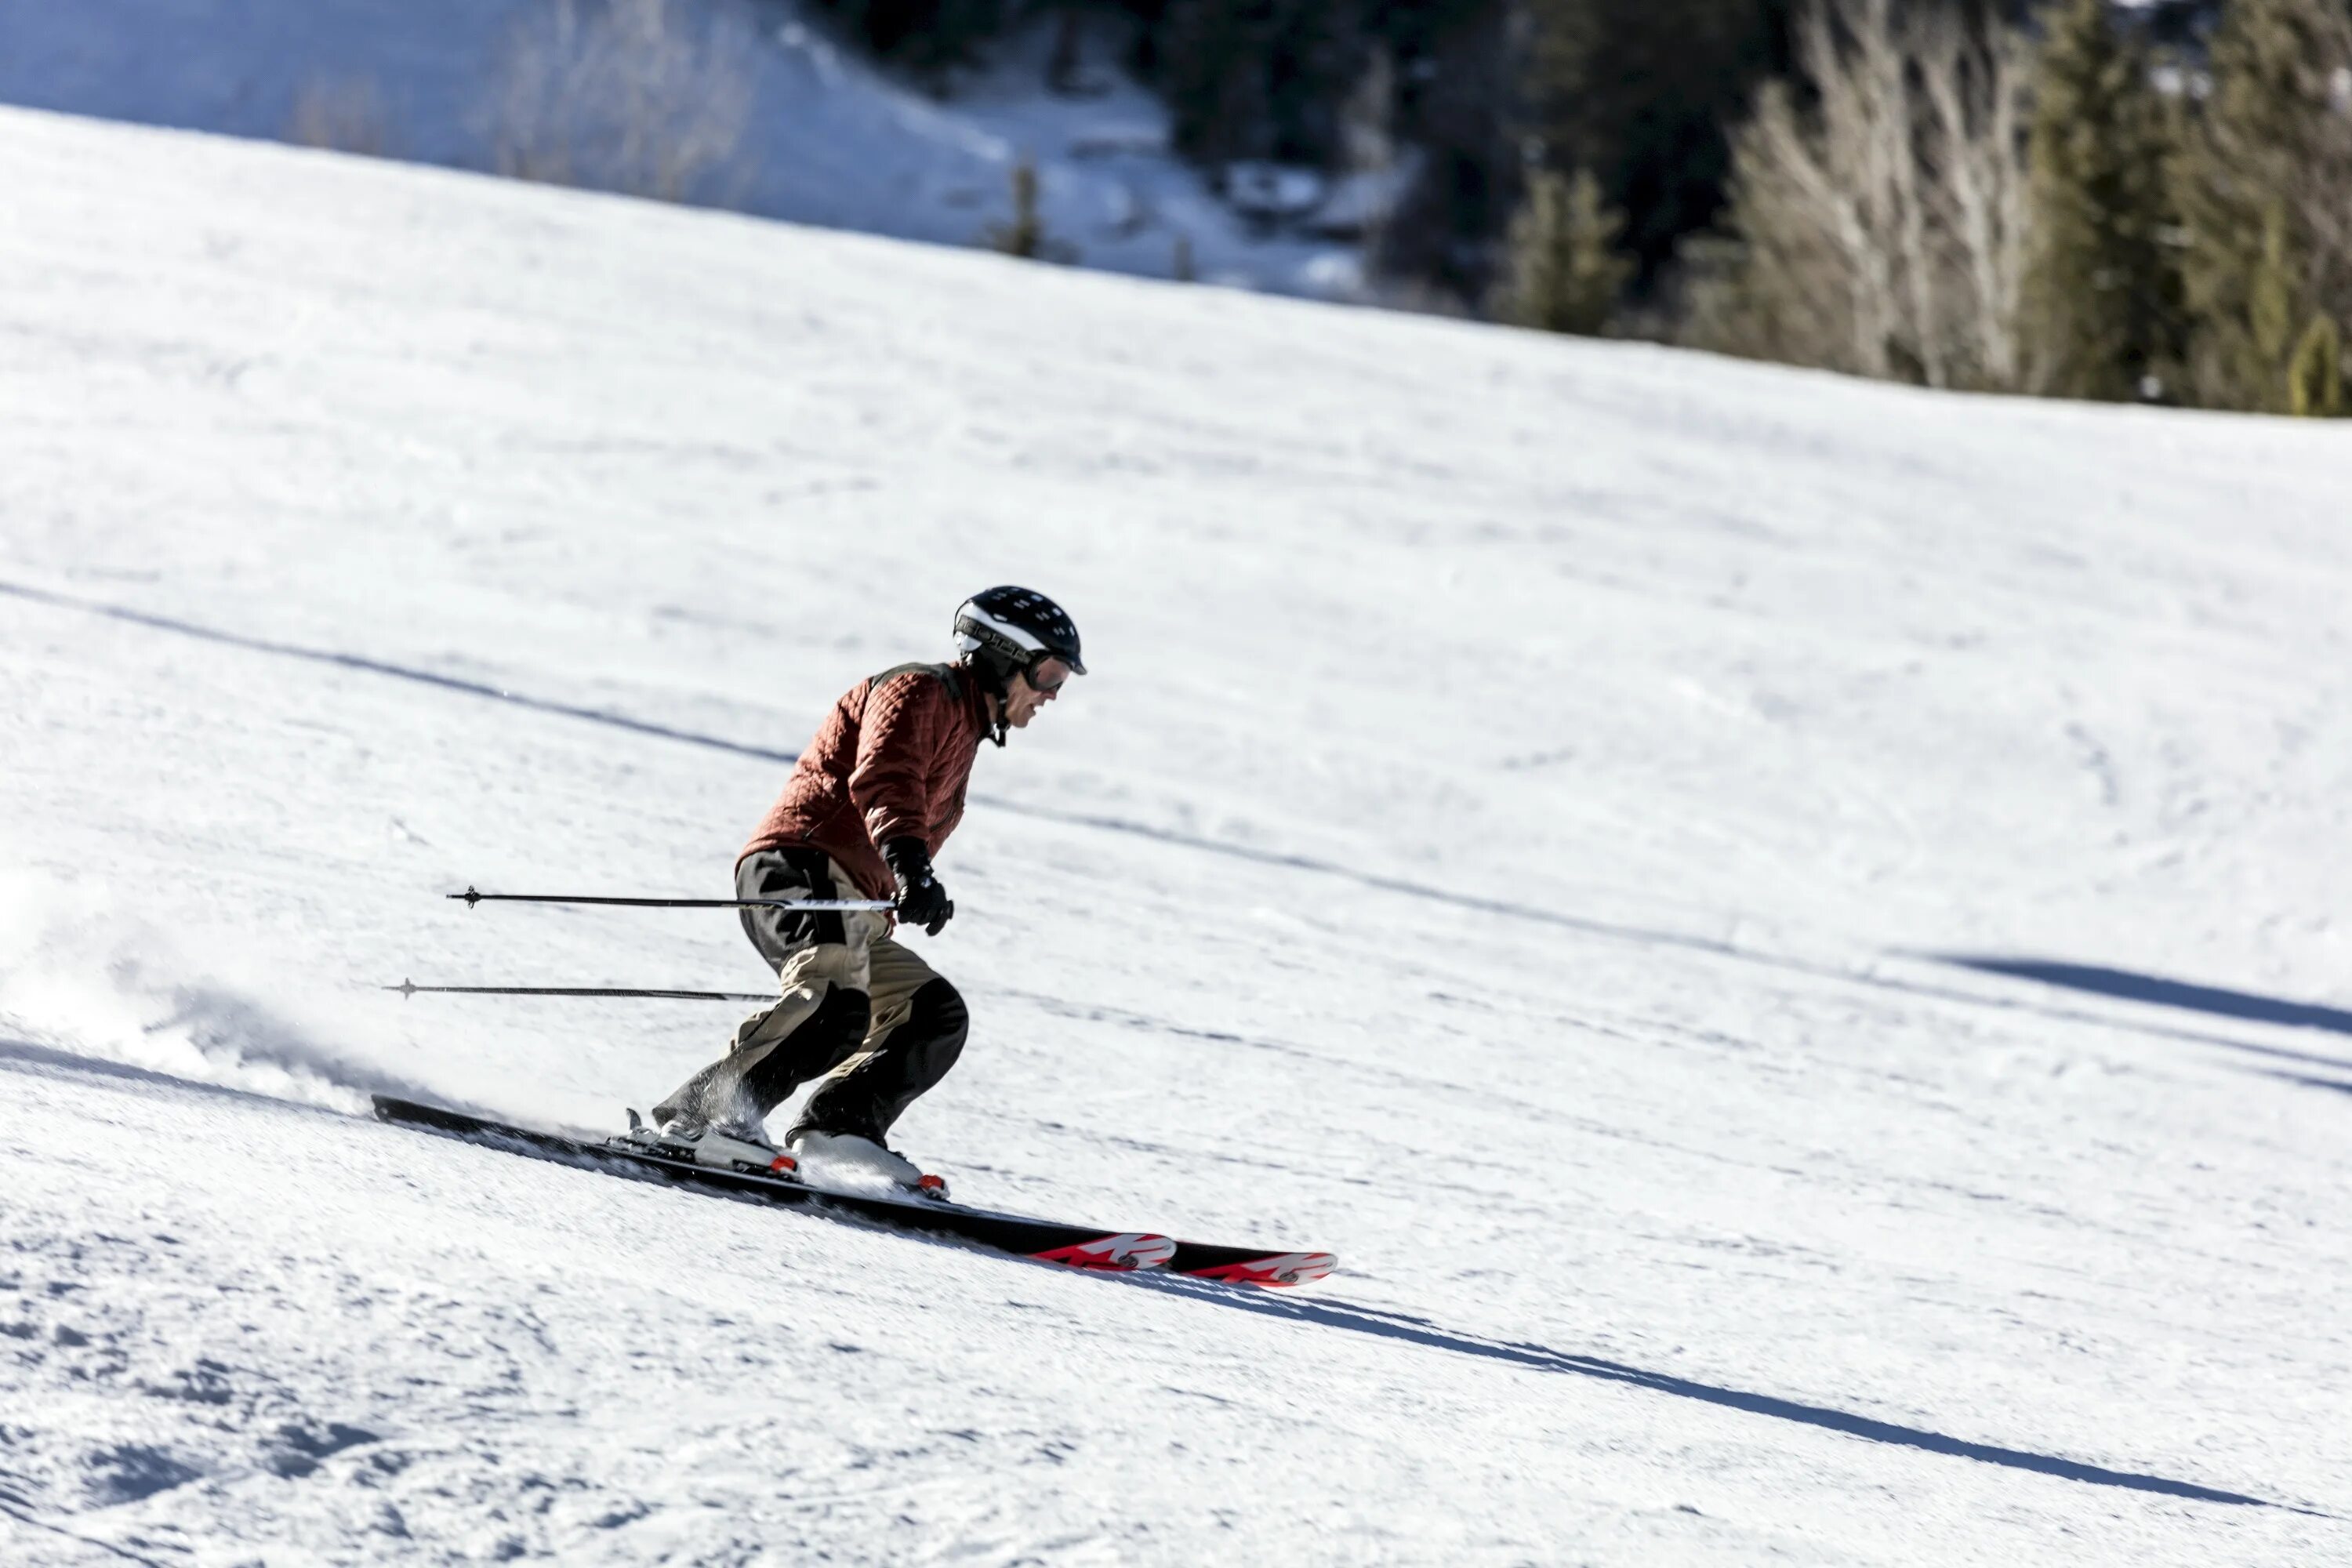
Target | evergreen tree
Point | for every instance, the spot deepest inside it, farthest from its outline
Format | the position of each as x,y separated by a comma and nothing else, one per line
1641,92
930,35
1562,273
2103,307
1459,79
1258,79
1209,73
2315,376
2265,186
2270,291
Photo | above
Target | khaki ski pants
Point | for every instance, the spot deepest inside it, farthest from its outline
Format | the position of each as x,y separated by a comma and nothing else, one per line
858,1009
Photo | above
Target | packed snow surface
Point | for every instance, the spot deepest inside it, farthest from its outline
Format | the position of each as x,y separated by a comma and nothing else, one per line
1538,825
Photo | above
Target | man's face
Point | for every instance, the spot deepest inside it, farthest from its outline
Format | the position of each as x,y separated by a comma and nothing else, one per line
1031,689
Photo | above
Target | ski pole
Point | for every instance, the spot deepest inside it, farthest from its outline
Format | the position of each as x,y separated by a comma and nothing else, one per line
410,988
473,898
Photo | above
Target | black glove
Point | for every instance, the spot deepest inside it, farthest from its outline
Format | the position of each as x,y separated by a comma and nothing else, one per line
921,900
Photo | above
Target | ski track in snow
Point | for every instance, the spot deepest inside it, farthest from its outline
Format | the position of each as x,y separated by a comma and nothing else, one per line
1569,879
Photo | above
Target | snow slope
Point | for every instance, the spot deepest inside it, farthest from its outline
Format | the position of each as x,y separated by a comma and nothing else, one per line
1517,835
829,138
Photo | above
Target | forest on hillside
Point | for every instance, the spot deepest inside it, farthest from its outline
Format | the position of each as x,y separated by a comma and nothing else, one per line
2075,197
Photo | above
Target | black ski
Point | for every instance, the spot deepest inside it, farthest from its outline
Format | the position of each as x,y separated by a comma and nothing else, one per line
1075,1245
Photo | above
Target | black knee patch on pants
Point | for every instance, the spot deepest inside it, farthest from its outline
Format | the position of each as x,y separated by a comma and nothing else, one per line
824,1039
939,1025
872,1093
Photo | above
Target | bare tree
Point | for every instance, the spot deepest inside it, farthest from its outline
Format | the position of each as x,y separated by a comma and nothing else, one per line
627,95
1974,84
342,115
1878,229
1025,235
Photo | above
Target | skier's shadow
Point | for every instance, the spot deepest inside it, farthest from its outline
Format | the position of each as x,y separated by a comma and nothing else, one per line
2212,1000
1330,1314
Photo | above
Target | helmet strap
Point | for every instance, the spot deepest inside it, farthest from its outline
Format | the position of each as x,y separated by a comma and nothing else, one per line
997,683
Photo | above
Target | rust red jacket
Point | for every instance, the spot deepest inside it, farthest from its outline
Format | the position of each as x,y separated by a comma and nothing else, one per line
890,759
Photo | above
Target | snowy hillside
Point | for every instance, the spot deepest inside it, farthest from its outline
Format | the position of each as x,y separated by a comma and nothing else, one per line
1535,828
827,138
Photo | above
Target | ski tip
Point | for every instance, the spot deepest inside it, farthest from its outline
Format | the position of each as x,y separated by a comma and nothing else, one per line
1116,1254
1275,1268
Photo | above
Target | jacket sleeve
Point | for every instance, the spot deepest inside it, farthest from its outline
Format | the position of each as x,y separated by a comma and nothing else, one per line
897,744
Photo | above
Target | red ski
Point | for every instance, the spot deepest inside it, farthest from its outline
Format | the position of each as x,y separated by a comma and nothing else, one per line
1048,1241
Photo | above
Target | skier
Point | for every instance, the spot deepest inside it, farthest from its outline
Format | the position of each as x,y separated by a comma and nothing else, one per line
867,806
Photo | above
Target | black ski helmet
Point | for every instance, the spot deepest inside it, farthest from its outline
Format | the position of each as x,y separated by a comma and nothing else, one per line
1005,629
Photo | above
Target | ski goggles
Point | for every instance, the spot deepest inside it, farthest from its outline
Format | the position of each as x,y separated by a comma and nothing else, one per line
1047,688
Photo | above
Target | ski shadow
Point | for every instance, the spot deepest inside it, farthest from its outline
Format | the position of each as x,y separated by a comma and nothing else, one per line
1411,1329
2213,1000
2305,1079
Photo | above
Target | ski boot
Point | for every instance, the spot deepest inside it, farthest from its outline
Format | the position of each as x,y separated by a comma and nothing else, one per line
741,1149
853,1161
